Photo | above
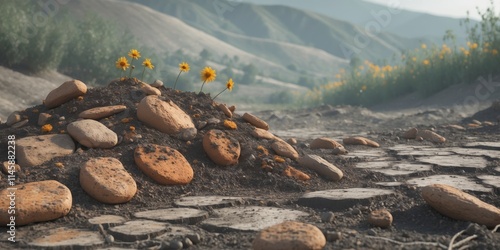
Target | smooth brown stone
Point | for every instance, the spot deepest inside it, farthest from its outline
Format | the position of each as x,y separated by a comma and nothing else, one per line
254,120
102,112
221,148
64,93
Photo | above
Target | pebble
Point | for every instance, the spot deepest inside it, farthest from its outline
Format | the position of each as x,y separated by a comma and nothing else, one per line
157,83
321,166
340,151
326,143
92,134
225,110
35,150
106,180
358,140
327,217
410,134
174,215
188,134
149,90
262,134
102,112
13,118
163,164
20,124
459,205
164,116
290,235
284,149
333,236
380,218
67,91
254,120
208,201
36,202
295,173
431,136
292,141
221,148
43,118
6,165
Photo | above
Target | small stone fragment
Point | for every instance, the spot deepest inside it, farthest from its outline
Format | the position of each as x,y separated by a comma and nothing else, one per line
92,134
43,118
292,141
284,149
290,235
64,93
157,83
326,143
358,140
102,112
431,136
174,215
20,124
262,134
254,120
149,90
340,151
226,110
321,166
380,218
410,134
327,217
294,173
6,167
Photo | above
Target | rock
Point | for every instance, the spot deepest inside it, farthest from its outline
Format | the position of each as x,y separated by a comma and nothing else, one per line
6,165
174,215
340,151
157,83
431,136
262,134
290,235
380,218
324,143
321,166
294,173
410,134
254,120
66,238
457,181
164,116
102,112
138,230
20,124
221,148
327,217
92,134
333,236
284,149
163,164
457,127
13,118
106,180
64,93
195,238
35,150
224,109
292,141
459,205
107,221
36,202
251,218
341,199
149,90
43,118
208,201
358,140
188,134
232,108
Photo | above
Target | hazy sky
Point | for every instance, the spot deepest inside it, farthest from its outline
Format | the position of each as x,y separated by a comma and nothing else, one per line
452,8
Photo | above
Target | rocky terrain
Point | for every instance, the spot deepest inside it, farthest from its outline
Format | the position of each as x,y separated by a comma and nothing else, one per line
134,165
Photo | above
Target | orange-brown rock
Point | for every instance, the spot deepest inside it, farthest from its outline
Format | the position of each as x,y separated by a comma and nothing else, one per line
254,120
262,134
459,205
380,218
431,136
295,173
290,235
101,112
165,116
163,164
106,180
325,143
321,166
358,140
410,134
149,90
222,107
282,148
221,148
64,93
35,202
35,150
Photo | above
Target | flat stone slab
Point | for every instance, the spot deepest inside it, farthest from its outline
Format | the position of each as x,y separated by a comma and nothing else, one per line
174,215
138,230
457,181
459,161
174,232
389,184
497,169
35,150
208,201
341,199
64,238
368,154
412,150
492,145
495,154
250,219
392,168
490,180
107,220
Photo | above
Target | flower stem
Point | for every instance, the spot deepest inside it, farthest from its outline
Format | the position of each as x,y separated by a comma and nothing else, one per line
202,86
175,84
131,68
218,94
144,70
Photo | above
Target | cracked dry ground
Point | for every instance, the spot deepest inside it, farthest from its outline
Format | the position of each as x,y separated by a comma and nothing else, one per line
226,207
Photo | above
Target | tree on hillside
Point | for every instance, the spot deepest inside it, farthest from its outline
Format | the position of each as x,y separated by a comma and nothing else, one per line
205,55
250,74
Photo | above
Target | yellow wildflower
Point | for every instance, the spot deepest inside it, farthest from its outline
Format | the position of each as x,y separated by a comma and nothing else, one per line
134,54
207,75
423,46
230,84
122,63
184,67
426,62
147,63
414,59
494,51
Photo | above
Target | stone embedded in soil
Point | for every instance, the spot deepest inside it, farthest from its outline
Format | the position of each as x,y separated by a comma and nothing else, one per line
157,83
163,164
208,201
459,205
222,107
174,215
138,230
107,220
149,90
431,136
487,145
35,150
262,134
282,148
20,124
92,134
457,181
290,235
340,151
455,126
340,199
13,118
491,179
326,169
326,143
251,218
380,218
410,134
296,174
43,118
164,116
256,121
358,140
174,232
495,154
36,202
221,147
102,112
106,180
421,151
394,168
66,238
458,161
64,93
